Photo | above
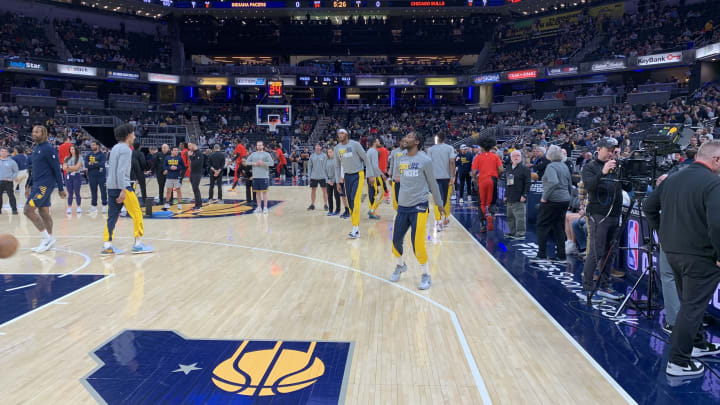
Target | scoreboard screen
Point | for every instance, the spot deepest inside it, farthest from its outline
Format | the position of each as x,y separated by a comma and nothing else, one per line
275,88
328,80
225,4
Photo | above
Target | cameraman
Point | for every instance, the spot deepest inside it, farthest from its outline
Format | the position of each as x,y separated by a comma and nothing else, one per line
685,209
605,201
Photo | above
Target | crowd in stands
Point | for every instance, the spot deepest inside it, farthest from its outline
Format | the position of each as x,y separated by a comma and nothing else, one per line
24,37
114,49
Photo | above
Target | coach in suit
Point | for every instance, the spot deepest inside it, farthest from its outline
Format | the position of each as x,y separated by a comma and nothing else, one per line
685,209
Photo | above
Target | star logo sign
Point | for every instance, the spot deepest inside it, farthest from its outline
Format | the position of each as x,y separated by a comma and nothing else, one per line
186,368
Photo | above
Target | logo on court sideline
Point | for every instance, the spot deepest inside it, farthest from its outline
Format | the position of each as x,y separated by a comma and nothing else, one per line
222,208
151,367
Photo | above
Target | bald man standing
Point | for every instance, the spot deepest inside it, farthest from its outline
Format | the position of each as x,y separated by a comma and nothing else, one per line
517,187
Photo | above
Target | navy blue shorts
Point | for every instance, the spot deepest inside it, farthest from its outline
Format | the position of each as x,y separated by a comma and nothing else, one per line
260,184
40,196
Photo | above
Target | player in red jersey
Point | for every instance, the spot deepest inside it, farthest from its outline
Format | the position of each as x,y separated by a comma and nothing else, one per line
282,163
240,153
486,166
383,155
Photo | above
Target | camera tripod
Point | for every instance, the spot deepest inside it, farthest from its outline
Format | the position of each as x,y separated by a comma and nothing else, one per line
649,305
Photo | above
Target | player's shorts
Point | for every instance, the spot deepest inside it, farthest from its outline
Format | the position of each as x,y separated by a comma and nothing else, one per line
260,184
315,182
171,184
40,196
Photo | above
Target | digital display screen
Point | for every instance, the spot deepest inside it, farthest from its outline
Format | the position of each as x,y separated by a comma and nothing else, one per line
275,88
329,3
328,80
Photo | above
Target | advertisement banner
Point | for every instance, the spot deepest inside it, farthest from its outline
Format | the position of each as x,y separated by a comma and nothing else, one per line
707,51
659,59
522,74
555,21
212,81
487,78
163,78
612,64
77,70
117,74
562,70
404,81
249,81
20,65
441,81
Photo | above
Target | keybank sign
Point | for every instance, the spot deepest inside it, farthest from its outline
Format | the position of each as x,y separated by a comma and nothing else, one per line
659,59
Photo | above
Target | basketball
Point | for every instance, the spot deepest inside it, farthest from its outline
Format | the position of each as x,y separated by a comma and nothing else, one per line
8,246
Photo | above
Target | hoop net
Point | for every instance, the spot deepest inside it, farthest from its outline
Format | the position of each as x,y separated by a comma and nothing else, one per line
273,122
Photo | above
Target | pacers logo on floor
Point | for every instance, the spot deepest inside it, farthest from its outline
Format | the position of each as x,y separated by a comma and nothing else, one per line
222,208
268,372
153,367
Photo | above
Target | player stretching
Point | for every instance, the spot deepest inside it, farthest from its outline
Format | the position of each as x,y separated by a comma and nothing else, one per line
122,193
416,177
443,159
45,174
350,156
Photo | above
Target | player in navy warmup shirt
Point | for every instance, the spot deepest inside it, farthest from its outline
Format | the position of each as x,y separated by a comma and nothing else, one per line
45,175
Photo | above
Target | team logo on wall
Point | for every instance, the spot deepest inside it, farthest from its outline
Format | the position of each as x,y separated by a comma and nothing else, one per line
153,367
222,208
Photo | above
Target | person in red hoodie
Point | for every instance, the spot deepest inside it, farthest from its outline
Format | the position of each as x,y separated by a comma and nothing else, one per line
282,163
486,166
185,158
64,150
383,155
240,153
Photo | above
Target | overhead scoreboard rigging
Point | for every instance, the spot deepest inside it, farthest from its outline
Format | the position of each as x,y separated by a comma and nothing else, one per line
237,4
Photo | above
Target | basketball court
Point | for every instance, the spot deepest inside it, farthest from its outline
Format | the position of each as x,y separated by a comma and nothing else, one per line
304,313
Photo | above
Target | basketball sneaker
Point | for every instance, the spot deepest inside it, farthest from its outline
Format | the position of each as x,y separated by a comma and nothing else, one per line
69,211
595,299
611,294
179,207
331,213
666,327
79,210
373,216
693,368
112,250
345,215
354,234
398,271
265,210
166,206
311,207
325,207
425,282
93,209
104,209
710,349
140,248
45,245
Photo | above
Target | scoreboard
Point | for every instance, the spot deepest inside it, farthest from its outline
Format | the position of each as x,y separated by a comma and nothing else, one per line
336,4
327,80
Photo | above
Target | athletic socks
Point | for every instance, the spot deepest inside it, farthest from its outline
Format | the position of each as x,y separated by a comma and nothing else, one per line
400,261
138,241
425,268
356,229
45,235
107,245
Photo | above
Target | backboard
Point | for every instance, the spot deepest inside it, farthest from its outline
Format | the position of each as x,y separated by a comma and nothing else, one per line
280,112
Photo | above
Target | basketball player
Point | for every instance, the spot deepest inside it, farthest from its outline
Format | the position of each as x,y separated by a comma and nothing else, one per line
95,163
350,157
333,193
174,170
281,166
417,179
240,153
45,175
395,156
486,166
375,187
122,193
316,168
443,162
383,156
261,162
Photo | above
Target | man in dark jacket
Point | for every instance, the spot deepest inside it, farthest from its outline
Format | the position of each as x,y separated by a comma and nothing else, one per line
605,200
685,209
159,171
517,187
138,167
216,166
538,161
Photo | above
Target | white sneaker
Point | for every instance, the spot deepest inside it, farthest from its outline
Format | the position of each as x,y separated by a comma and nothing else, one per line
45,245
104,209
93,209
179,207
79,210
69,211
265,210
166,206
461,201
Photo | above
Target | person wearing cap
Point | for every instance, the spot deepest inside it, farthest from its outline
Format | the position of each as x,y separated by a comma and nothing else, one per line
464,164
350,157
605,201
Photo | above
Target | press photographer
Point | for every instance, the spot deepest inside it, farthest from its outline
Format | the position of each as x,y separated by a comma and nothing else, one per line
685,209
605,202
